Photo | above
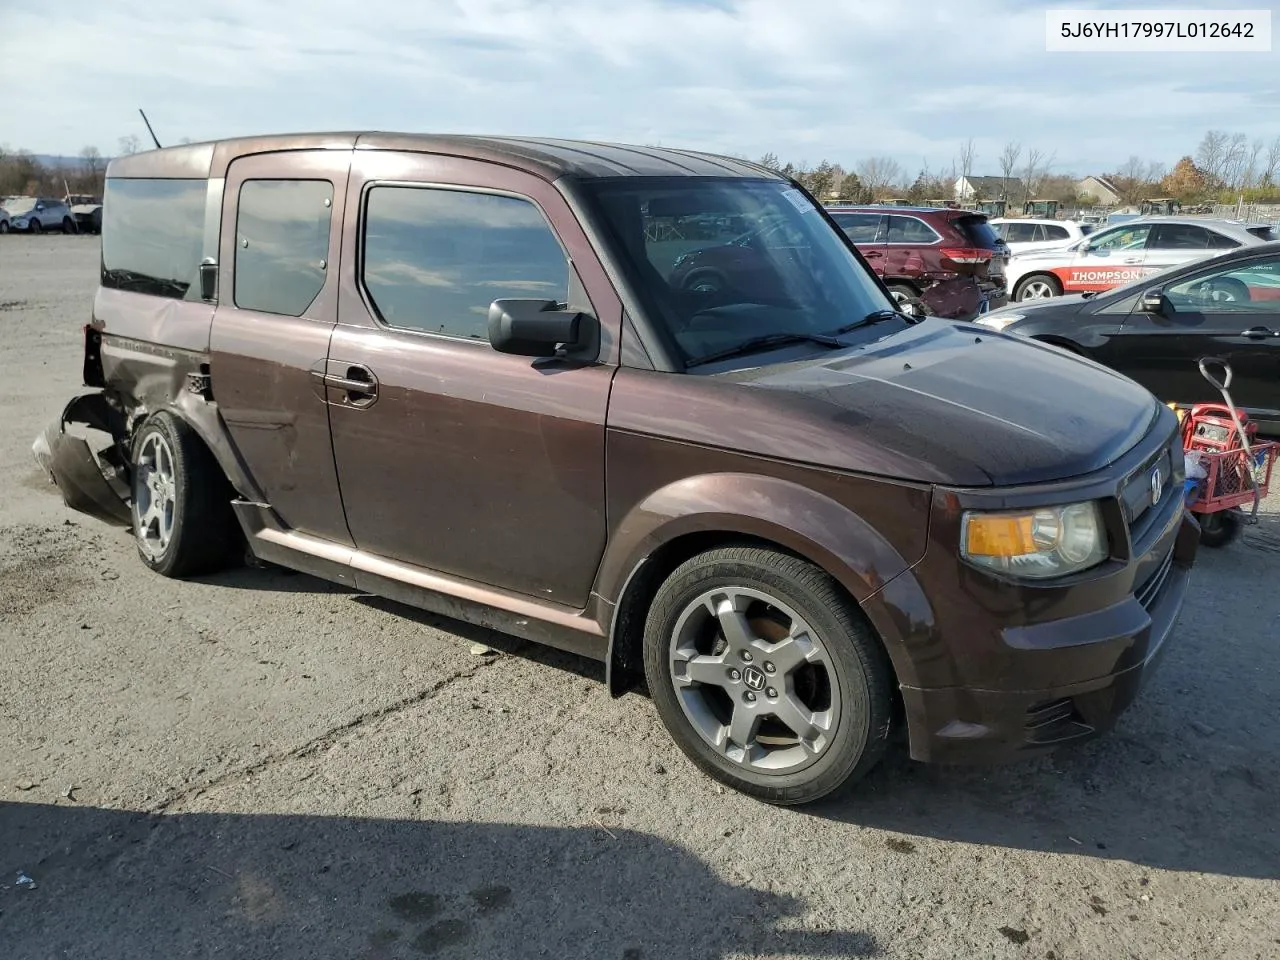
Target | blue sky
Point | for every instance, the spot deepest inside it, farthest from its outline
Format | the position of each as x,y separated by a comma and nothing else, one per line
806,79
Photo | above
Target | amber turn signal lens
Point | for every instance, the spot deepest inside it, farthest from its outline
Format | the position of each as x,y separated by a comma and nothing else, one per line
999,536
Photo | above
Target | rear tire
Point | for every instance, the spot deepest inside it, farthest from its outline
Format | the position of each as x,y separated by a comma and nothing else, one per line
1038,286
182,518
767,675
68,225
4,226
34,226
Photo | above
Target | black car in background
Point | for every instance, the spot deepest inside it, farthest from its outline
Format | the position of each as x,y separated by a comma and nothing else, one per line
1155,330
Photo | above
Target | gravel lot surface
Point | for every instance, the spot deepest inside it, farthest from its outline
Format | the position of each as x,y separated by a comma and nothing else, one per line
262,765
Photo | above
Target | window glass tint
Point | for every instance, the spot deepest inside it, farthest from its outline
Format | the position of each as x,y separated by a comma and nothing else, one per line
1020,232
977,230
1261,231
1220,241
435,259
1181,236
766,263
152,236
282,244
910,230
860,227
1121,238
1253,287
1054,232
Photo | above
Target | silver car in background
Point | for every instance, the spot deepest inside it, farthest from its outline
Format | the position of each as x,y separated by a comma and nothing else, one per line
38,214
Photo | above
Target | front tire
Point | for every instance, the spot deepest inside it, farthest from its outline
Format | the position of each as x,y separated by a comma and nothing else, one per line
34,226
1038,286
767,675
68,225
182,518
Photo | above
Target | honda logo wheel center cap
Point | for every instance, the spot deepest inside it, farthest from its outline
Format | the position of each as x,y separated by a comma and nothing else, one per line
753,677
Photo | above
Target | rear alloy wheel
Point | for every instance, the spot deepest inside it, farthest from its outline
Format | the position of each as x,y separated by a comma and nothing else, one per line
766,674
1040,286
901,293
182,517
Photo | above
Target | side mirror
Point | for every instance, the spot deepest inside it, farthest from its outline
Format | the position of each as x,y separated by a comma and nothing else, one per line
533,328
208,280
1154,301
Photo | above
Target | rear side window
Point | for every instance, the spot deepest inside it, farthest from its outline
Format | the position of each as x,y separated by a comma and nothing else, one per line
1019,232
434,259
1263,232
1054,232
282,244
860,227
977,230
1185,236
910,230
152,236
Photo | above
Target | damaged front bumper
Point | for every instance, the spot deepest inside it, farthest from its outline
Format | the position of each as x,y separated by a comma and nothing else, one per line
97,485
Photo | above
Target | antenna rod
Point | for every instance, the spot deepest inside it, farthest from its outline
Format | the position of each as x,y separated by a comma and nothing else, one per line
149,130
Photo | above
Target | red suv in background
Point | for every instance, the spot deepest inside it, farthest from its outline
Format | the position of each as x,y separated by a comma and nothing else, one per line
913,249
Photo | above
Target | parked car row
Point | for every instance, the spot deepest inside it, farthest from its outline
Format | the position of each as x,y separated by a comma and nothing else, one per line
37,215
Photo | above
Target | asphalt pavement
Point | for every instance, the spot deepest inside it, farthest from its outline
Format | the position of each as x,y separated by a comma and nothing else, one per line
259,764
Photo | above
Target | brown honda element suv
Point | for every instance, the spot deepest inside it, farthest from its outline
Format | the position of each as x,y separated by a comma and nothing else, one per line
452,371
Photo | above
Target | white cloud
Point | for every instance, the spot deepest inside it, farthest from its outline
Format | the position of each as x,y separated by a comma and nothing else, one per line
806,79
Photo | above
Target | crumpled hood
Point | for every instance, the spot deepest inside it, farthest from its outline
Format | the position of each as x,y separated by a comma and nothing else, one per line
961,404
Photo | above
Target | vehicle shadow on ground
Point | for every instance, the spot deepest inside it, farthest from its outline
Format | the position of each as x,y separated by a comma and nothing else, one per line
115,884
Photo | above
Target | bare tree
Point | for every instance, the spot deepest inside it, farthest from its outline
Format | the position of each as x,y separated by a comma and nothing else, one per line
1272,163
877,174
771,161
966,158
1212,152
1037,165
1009,157
1235,160
1249,176
130,144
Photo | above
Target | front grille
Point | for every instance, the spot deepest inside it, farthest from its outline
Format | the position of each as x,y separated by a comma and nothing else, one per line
1147,593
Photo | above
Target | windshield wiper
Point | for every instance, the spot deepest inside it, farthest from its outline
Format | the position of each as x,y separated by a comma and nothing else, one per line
875,316
766,342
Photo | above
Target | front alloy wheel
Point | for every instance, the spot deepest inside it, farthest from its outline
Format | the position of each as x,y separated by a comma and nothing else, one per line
766,674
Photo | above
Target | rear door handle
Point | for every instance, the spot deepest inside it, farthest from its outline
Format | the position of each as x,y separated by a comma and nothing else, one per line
356,381
872,253
1132,259
1259,333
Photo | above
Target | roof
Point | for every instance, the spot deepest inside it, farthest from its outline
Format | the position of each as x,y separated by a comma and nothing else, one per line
895,208
550,158
1103,182
995,184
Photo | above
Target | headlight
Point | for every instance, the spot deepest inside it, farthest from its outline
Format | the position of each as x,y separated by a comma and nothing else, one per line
1047,542
998,321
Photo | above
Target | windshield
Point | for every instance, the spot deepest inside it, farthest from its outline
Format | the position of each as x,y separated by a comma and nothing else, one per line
720,261
19,205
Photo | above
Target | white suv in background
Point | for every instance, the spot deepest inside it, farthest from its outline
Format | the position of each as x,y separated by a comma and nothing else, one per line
1123,253
1023,234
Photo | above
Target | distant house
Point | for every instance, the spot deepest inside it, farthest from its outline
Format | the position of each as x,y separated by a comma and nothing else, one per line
989,188
1100,189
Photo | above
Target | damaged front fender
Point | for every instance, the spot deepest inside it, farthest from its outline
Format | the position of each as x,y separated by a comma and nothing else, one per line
97,485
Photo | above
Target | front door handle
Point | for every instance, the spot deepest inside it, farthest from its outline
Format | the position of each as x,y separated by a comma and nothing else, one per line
1259,333
1132,259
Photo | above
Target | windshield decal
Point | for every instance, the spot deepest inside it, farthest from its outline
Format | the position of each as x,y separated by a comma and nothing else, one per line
798,200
